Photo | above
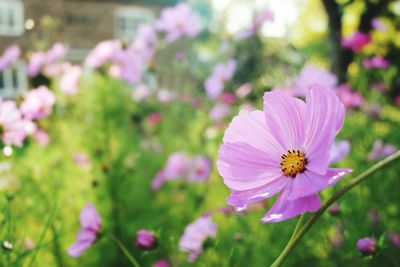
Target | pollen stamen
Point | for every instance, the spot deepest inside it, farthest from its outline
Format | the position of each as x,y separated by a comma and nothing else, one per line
293,162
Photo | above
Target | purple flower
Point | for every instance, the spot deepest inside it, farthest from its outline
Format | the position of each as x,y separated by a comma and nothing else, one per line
38,103
377,62
311,76
10,55
339,150
90,230
378,25
195,235
219,111
199,169
350,99
103,53
158,181
380,150
356,41
36,62
178,21
214,85
161,263
284,150
367,246
56,53
177,166
244,90
394,239
69,82
146,240
12,125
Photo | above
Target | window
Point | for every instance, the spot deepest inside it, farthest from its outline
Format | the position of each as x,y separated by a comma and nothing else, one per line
13,80
128,20
11,18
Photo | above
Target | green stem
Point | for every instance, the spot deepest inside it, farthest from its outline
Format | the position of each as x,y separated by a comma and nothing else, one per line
125,251
293,242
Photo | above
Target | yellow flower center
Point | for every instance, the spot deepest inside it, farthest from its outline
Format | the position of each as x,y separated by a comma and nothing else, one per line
293,162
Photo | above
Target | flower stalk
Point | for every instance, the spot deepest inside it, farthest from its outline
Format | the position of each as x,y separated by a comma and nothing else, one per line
124,250
298,236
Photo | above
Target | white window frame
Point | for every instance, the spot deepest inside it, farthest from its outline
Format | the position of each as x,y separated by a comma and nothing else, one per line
11,10
140,14
9,89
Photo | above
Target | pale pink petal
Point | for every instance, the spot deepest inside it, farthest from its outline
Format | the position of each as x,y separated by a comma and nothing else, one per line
90,218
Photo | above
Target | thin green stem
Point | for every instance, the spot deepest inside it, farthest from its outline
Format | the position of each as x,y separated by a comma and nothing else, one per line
125,251
293,242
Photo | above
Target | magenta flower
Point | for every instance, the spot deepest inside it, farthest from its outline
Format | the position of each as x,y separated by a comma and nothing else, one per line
199,169
155,117
90,230
356,41
103,53
380,150
146,240
349,98
312,76
339,150
376,62
161,263
178,21
69,82
38,103
195,235
12,125
10,55
367,246
284,150
214,85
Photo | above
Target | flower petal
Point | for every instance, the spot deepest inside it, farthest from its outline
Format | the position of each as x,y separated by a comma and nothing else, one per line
85,239
308,183
326,114
240,199
245,167
90,218
285,118
283,209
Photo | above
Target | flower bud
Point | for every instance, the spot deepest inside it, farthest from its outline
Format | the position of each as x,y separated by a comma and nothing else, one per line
161,263
146,240
334,209
367,246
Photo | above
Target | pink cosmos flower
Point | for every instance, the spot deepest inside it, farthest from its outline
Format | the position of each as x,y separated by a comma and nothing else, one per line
41,137
195,235
349,98
367,246
56,53
244,90
356,41
90,230
199,169
38,103
36,61
339,150
376,62
12,125
10,55
178,21
219,111
161,263
69,82
380,150
158,181
228,98
177,166
155,117
102,53
284,150
214,85
146,240
311,76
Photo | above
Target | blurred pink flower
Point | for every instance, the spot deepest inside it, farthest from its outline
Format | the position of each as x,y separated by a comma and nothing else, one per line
140,92
311,76
394,239
90,229
36,62
103,53
228,98
367,246
397,100
262,17
70,80
131,65
12,125
146,240
165,95
214,85
145,40
350,99
158,181
80,158
284,150
379,86
38,103
244,90
41,137
195,235
356,41
376,62
339,150
10,55
378,25
155,117
56,53
199,169
177,166
161,263
380,150
219,111
178,21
